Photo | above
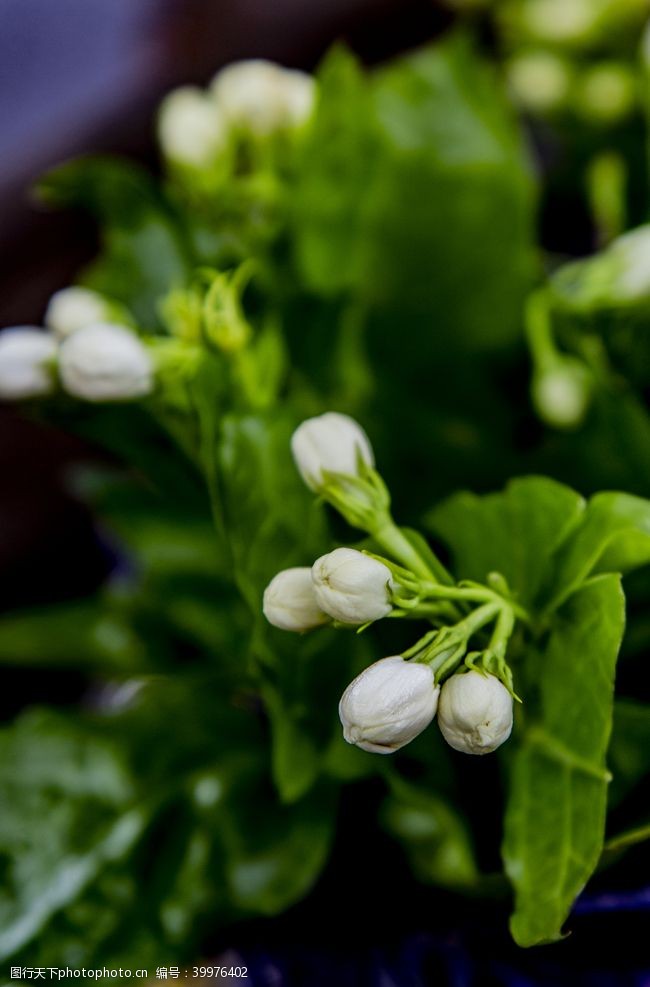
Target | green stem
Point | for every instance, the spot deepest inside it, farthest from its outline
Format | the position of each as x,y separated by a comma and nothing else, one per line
502,631
396,544
539,331
473,594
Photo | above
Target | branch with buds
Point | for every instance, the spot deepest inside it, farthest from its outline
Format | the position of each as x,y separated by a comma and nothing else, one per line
458,668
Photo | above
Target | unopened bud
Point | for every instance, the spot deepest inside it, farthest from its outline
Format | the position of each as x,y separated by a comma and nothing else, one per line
105,363
191,129
75,308
27,357
475,712
263,97
332,443
388,705
352,587
290,602
562,393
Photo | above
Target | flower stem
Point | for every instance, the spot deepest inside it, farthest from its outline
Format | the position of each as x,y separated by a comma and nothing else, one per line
396,544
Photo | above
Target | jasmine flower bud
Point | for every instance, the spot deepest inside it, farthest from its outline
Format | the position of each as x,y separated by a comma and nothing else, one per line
540,80
388,705
262,97
191,129
607,93
351,587
562,393
105,362
74,308
290,602
330,442
27,357
475,712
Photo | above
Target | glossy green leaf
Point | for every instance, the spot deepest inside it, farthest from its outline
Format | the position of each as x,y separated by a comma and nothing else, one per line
555,816
613,536
514,532
406,171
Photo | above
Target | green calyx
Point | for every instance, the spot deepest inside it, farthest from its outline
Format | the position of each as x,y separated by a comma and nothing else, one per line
447,647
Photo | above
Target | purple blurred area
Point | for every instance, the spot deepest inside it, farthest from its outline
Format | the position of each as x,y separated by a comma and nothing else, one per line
84,76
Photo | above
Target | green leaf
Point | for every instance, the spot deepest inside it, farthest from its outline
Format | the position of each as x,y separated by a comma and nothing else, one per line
433,835
613,536
514,532
338,160
144,255
410,170
66,820
274,857
262,493
543,537
555,817
86,633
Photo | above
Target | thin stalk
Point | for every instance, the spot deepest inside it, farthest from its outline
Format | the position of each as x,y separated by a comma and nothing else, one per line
396,544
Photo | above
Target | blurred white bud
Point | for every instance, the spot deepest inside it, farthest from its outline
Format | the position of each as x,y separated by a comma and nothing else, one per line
607,93
105,363
561,394
290,602
75,308
27,358
263,97
631,256
388,705
560,21
330,442
351,587
475,712
191,129
539,80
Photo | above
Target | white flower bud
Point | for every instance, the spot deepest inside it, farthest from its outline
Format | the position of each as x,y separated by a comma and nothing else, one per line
290,602
27,357
388,705
75,308
475,712
263,97
540,80
631,254
331,442
105,363
562,394
352,587
191,129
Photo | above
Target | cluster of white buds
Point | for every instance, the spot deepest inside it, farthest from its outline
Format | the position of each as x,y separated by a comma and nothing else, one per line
255,96
263,97
95,359
345,586
393,700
